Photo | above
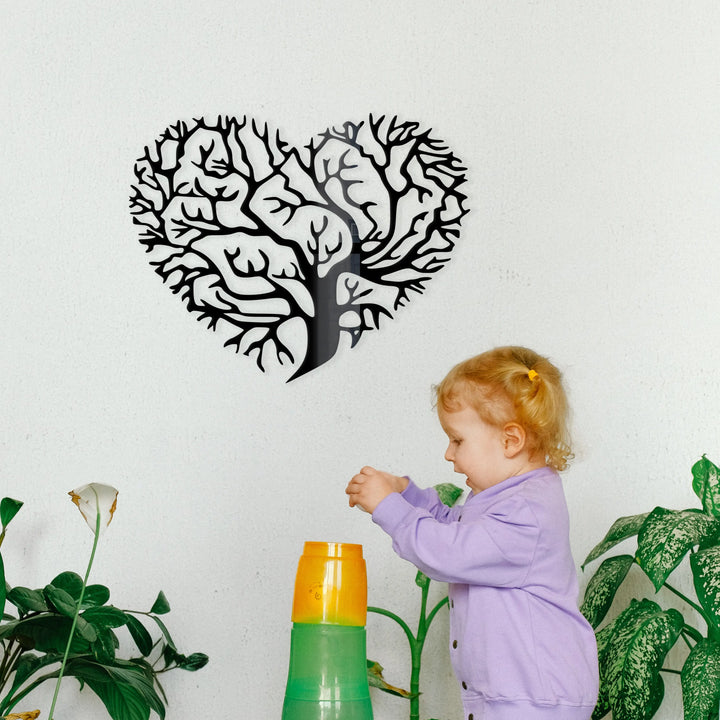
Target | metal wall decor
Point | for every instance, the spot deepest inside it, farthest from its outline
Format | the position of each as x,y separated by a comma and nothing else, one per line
284,250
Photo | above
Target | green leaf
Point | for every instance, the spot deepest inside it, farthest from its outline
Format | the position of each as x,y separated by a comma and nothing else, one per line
701,681
170,655
3,587
165,632
602,707
105,616
602,587
29,663
193,662
70,582
95,595
139,634
60,600
706,485
86,630
705,566
667,536
641,638
45,633
161,606
448,493
422,580
376,680
620,530
8,510
125,689
26,600
105,645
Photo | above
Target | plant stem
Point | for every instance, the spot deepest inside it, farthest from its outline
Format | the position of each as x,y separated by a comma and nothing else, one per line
434,611
692,604
416,643
396,618
7,652
8,663
693,633
77,609
416,648
10,703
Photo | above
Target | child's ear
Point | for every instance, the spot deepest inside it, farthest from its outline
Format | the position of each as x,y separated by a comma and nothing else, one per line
514,439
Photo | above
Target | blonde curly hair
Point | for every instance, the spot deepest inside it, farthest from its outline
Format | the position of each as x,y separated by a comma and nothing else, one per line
513,384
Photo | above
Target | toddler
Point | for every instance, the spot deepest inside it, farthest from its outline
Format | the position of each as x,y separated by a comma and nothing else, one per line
520,648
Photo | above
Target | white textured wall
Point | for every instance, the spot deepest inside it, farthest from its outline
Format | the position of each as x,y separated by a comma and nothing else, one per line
590,132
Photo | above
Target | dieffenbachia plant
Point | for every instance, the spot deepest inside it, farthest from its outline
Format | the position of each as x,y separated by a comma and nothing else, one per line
633,646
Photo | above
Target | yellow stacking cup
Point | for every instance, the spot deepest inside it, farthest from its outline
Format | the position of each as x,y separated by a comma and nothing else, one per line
331,585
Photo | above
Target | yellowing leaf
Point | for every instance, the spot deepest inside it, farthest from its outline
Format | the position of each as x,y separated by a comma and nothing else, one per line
376,679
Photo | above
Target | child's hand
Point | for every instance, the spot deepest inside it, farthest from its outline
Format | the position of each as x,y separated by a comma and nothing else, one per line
370,486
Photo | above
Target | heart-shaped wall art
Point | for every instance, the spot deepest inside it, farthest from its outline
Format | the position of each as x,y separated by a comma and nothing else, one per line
286,250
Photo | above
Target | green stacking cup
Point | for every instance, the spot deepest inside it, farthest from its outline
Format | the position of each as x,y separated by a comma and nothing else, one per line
327,676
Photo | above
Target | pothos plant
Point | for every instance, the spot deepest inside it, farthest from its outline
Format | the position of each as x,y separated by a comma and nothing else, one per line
633,646
448,494
67,628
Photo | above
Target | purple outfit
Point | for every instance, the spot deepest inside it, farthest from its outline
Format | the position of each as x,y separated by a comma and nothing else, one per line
519,646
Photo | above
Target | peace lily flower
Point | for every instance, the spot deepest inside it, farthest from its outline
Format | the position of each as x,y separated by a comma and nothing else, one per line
97,504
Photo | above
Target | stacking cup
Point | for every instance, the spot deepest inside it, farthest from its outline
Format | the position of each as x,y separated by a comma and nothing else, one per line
327,676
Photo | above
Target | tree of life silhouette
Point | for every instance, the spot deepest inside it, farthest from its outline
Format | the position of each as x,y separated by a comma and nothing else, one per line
286,249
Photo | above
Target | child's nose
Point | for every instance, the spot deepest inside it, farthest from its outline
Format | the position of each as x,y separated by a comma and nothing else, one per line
448,454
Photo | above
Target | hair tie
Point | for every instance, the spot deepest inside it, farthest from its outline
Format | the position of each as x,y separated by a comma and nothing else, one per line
532,375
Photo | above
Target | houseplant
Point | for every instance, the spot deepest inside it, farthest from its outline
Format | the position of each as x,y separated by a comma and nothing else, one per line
632,647
68,628
449,495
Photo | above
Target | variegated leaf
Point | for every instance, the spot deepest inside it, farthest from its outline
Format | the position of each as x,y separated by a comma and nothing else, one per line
620,530
706,485
602,707
448,493
701,681
667,536
635,653
602,587
603,637
657,694
705,566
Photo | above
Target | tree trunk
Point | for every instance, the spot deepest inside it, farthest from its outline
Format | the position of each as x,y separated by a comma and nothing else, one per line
323,328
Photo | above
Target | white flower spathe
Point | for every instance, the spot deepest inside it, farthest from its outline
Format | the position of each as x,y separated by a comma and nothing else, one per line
94,499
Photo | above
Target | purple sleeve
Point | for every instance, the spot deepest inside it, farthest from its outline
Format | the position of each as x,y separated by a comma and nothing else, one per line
495,549
427,499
